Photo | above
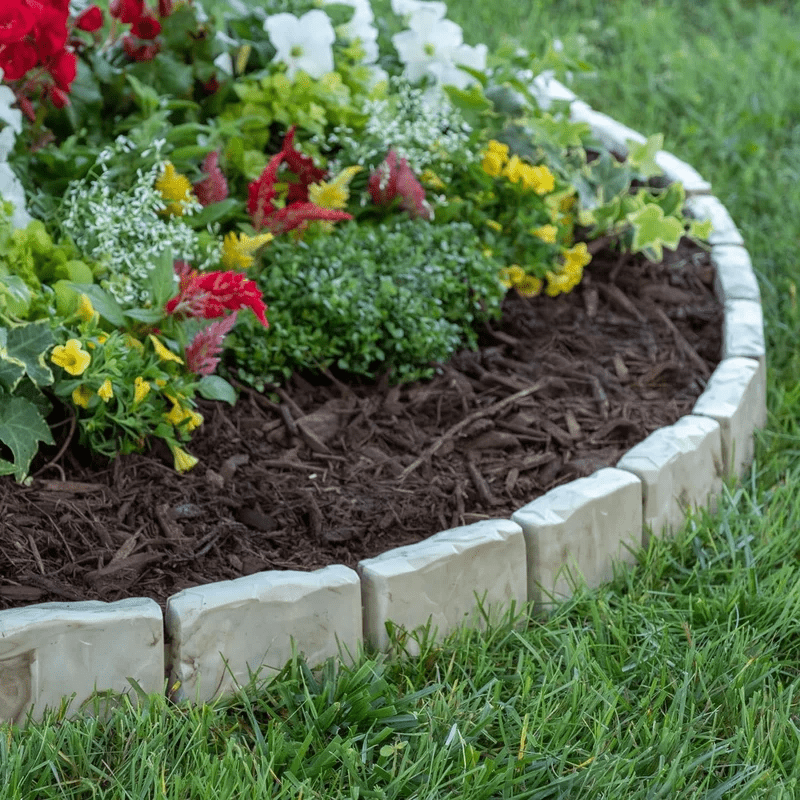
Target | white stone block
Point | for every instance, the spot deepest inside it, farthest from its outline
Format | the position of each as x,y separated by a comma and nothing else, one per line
743,330
736,397
734,279
252,622
547,90
581,527
724,231
680,467
679,171
442,580
612,134
49,651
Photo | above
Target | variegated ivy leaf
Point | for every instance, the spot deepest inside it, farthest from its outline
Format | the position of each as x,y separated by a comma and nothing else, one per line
652,231
22,427
642,157
27,344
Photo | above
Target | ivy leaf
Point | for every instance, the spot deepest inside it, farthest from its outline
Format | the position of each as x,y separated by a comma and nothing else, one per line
22,427
28,344
700,230
642,157
652,231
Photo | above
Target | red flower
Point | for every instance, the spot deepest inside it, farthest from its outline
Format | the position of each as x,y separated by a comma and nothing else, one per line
58,97
16,21
164,8
51,31
202,354
392,180
16,59
298,215
63,67
146,27
140,52
210,294
126,11
90,20
213,187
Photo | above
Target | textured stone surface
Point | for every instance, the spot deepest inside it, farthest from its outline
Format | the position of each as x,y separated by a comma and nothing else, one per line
614,135
252,621
736,397
547,90
52,650
677,170
582,526
438,579
743,330
680,467
703,207
734,278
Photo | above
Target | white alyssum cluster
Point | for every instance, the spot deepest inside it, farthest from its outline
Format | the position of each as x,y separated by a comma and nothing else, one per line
11,189
121,228
428,136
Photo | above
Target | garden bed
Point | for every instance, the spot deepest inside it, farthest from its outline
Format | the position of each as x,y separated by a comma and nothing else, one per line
331,471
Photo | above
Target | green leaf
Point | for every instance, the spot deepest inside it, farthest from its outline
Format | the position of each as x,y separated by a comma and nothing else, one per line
652,231
162,280
22,427
27,344
214,212
700,230
11,369
149,316
212,387
642,157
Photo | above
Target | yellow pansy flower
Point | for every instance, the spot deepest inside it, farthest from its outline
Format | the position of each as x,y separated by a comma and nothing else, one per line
175,188
547,233
141,388
183,461
498,147
106,391
333,194
71,356
85,309
510,276
180,413
540,179
238,249
162,352
513,169
529,286
81,396
492,164
576,258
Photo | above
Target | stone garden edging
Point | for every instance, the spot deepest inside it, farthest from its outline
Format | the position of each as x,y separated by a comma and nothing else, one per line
212,637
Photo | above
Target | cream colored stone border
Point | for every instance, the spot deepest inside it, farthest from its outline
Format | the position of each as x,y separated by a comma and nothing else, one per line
54,650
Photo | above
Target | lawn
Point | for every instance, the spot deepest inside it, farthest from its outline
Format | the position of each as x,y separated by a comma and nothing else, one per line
680,678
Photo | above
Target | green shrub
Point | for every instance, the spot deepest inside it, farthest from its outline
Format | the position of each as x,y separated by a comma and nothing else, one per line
369,299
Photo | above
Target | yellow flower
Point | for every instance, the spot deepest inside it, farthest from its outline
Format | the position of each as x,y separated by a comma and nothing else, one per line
335,193
162,352
513,169
81,396
85,309
529,286
106,391
238,249
141,388
494,225
492,164
498,147
576,258
183,461
132,341
430,178
547,233
510,276
71,357
540,179
570,273
174,188
180,413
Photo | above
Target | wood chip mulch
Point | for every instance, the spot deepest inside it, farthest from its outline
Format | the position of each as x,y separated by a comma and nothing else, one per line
329,470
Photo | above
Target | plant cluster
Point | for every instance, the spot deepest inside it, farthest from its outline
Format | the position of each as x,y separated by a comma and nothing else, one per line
169,177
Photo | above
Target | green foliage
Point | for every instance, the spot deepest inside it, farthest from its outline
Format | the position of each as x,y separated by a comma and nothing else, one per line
393,297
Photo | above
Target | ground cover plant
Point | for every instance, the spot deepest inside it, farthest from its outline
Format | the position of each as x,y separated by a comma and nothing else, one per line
679,678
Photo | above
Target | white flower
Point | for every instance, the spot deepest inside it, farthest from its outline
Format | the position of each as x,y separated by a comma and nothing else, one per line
303,43
404,8
359,28
428,41
464,55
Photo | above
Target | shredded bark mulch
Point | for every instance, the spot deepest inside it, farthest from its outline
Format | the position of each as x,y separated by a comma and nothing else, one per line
331,470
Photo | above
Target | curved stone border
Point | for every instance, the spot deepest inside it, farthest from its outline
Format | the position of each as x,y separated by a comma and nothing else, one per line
212,637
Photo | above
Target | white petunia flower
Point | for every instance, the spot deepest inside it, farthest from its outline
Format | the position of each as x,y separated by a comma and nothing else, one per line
428,41
405,8
303,43
462,56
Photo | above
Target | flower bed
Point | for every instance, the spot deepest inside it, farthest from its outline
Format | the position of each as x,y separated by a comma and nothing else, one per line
108,309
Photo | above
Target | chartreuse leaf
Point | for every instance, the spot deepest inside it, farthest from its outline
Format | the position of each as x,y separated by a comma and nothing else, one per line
642,157
22,427
652,231
700,230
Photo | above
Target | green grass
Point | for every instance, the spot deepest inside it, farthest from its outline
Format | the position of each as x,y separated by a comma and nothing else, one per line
677,680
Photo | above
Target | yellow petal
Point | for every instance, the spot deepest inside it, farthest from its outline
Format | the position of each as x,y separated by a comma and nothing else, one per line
71,356
81,396
106,391
183,461
162,352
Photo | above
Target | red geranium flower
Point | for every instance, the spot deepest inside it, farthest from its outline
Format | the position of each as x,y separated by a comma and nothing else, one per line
16,21
63,67
146,27
126,11
89,20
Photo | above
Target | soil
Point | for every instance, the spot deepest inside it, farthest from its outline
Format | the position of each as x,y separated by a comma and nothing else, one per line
330,470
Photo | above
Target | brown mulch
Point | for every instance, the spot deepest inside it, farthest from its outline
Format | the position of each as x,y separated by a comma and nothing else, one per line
327,470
